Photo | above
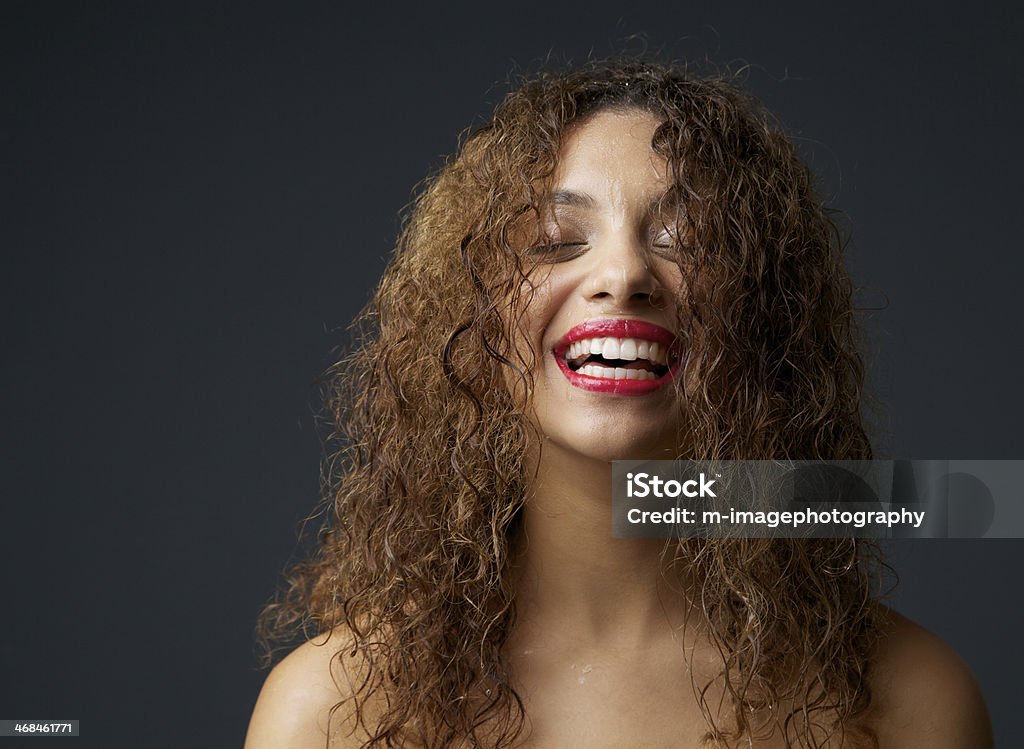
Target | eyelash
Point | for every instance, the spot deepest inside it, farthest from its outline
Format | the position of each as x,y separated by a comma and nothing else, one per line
667,247
547,251
556,248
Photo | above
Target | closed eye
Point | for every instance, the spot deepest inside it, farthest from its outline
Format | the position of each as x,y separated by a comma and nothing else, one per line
666,246
669,245
557,252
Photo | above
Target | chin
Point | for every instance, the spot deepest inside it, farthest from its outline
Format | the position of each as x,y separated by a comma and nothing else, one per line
596,446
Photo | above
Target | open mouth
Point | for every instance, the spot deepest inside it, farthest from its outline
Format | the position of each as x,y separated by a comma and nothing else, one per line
619,356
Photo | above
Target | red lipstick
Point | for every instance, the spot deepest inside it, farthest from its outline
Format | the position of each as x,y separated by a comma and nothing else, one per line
611,328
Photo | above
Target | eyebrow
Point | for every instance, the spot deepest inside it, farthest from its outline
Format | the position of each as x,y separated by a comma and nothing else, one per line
584,200
572,198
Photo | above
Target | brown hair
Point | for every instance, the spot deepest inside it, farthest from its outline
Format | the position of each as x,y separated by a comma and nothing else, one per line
427,476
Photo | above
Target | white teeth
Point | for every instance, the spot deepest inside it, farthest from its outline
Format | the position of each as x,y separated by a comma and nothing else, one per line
616,373
626,349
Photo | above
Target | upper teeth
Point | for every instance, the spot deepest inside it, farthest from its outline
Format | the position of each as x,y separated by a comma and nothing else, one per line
625,349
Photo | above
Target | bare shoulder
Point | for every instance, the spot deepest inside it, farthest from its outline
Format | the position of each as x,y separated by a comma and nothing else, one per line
296,705
923,694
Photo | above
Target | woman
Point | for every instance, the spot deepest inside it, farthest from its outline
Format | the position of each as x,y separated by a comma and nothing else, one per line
626,262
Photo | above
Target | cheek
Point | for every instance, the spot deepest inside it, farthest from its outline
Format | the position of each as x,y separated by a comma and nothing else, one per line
524,321
533,320
540,306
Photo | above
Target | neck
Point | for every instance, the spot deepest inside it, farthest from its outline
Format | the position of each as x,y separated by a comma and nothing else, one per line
574,577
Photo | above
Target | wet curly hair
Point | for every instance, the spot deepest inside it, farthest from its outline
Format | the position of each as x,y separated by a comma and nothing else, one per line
428,471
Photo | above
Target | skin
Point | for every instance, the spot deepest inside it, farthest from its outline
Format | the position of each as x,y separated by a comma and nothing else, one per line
599,653
619,265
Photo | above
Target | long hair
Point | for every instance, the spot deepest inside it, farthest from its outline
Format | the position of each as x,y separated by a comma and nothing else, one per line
427,473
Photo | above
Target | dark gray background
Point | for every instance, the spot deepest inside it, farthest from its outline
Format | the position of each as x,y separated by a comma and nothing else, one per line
197,199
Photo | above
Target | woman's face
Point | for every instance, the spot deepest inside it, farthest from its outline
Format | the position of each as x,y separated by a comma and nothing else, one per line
602,320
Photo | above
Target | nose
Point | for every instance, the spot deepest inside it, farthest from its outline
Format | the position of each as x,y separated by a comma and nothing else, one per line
623,274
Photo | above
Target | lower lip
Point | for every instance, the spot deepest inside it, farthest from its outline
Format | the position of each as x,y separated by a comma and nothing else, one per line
610,385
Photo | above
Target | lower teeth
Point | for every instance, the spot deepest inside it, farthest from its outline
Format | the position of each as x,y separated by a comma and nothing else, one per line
616,373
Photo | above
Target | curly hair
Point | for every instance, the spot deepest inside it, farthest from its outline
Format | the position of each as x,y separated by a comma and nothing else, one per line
428,468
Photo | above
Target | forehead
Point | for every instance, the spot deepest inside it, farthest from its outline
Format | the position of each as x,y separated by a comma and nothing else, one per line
611,152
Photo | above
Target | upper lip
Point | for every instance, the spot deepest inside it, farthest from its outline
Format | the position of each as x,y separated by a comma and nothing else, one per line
615,328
